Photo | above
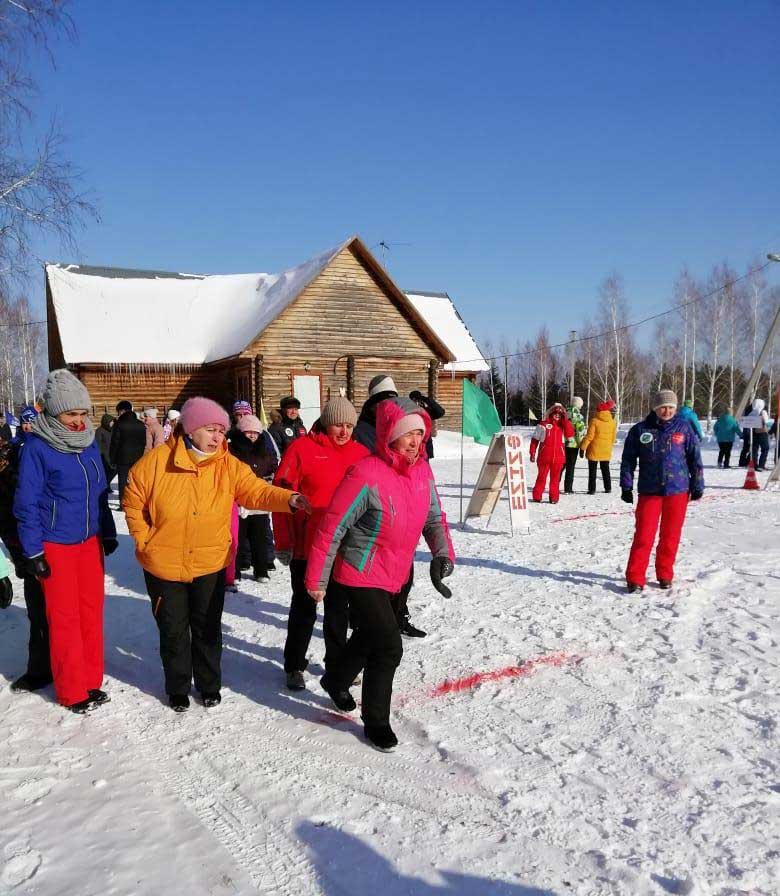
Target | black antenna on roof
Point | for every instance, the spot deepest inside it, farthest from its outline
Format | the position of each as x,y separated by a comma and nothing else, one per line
386,246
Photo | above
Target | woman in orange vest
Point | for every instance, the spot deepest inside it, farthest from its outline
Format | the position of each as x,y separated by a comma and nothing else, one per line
178,504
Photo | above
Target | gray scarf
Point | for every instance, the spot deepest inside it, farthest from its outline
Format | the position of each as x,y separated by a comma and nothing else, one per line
60,437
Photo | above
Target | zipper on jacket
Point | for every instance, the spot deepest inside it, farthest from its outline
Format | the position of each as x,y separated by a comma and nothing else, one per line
86,477
97,470
53,514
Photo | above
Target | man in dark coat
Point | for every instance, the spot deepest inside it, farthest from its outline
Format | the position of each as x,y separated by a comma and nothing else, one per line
380,389
290,427
128,443
38,673
435,412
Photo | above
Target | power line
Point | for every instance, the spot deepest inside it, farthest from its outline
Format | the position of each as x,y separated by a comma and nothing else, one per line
26,323
630,326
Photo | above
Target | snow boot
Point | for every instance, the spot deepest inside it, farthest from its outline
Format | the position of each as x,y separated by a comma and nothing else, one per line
382,737
98,697
211,698
271,566
261,575
343,699
664,584
406,628
296,681
82,707
179,702
29,682
632,587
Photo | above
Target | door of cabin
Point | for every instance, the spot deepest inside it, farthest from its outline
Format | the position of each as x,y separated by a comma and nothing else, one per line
307,388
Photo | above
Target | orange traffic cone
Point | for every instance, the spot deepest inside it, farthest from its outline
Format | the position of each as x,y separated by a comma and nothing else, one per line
751,480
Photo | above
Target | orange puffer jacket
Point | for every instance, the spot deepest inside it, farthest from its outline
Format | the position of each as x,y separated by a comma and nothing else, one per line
178,512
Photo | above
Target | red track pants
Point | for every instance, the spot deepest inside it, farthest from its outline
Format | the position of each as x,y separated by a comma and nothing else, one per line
650,509
74,594
554,471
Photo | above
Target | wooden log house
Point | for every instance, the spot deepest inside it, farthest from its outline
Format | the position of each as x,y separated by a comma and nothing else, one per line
157,338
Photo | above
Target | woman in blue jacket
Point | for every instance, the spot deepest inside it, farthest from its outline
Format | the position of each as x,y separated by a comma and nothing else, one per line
65,527
726,430
670,472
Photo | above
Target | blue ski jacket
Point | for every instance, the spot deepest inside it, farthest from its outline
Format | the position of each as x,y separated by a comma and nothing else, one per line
60,497
726,428
692,417
669,457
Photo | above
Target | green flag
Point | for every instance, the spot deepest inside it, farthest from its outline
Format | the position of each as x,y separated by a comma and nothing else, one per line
480,417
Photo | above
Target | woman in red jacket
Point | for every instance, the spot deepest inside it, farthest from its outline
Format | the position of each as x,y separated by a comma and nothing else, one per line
548,449
317,463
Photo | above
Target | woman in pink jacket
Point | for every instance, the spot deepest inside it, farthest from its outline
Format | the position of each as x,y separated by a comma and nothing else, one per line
366,539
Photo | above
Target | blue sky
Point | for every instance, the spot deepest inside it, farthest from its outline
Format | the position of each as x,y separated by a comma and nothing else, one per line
522,150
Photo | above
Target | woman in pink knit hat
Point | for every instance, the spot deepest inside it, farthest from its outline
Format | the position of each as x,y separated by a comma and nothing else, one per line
178,504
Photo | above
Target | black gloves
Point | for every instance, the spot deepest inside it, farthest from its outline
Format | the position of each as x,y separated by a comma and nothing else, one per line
696,493
582,453
441,567
37,566
627,495
416,395
6,593
109,546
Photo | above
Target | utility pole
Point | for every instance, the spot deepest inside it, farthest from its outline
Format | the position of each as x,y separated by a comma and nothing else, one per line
572,340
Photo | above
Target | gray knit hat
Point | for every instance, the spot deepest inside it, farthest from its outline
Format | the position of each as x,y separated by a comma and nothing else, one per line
382,382
338,410
664,397
64,392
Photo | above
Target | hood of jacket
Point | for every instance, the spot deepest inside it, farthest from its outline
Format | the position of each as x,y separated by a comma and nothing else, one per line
388,413
604,415
758,405
106,420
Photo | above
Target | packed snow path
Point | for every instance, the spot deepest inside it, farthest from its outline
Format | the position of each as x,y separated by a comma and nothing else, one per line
634,750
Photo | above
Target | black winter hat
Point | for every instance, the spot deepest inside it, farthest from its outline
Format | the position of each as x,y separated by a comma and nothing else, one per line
123,406
289,401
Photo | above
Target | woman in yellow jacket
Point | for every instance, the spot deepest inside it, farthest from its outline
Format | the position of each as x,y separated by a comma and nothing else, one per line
597,445
178,504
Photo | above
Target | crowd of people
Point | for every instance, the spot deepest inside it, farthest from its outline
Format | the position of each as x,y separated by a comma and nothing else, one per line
349,499
342,505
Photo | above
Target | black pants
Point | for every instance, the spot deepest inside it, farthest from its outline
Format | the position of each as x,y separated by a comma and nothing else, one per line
374,647
606,477
744,454
401,600
122,472
724,453
303,615
760,444
189,616
255,542
571,463
38,660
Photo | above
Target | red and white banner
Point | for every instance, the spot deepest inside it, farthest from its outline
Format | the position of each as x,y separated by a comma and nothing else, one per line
515,451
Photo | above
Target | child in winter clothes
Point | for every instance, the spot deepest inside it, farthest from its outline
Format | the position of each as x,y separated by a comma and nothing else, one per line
726,430
687,413
65,529
597,445
573,442
548,443
670,471
367,539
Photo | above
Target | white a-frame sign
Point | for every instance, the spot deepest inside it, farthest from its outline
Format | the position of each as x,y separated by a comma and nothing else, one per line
504,466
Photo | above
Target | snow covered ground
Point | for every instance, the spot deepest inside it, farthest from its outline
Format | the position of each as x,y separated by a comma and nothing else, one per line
635,752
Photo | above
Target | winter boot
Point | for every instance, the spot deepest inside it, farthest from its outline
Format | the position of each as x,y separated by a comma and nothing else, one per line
211,698
271,566
179,702
664,584
406,628
97,697
261,575
29,682
82,707
381,736
632,587
296,681
342,699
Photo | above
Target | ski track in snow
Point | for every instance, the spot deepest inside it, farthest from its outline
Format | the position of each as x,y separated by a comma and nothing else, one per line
580,741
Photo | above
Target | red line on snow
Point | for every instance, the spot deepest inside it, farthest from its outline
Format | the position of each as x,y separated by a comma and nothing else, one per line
456,686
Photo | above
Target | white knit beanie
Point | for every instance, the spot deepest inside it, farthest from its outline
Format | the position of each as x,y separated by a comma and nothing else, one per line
381,383
404,425
664,397
64,392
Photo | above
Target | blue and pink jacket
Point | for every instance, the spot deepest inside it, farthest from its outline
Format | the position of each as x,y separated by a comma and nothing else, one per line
669,457
369,533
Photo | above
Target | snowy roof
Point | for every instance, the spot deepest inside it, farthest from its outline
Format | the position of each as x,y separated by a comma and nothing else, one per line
113,315
442,317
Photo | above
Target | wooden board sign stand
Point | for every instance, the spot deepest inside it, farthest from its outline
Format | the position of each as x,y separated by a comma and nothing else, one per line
504,467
